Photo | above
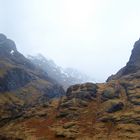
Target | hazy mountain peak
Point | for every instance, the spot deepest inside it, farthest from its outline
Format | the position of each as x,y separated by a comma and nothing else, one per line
65,77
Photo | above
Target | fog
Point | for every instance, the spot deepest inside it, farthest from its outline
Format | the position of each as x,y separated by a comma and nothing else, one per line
93,36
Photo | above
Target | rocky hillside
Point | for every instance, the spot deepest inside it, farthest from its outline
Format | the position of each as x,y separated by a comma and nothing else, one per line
65,77
89,111
22,84
104,111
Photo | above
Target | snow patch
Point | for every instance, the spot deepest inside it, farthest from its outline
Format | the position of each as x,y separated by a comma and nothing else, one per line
12,52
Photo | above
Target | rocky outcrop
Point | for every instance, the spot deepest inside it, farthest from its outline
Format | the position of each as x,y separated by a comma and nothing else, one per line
109,93
85,91
132,68
9,53
77,97
15,78
135,57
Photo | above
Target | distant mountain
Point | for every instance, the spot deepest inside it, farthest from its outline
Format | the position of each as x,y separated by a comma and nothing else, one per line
65,77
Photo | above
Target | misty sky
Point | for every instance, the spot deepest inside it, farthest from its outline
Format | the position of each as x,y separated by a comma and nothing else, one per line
94,36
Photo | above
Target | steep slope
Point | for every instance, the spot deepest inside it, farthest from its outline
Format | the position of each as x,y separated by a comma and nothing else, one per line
22,85
65,77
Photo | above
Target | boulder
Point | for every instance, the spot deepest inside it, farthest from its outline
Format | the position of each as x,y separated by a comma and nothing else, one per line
85,91
109,93
114,107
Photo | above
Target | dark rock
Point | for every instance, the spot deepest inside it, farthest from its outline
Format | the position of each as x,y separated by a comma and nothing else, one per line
85,91
135,57
14,79
115,107
133,65
9,138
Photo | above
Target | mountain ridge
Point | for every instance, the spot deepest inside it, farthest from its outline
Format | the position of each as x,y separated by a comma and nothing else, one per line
65,77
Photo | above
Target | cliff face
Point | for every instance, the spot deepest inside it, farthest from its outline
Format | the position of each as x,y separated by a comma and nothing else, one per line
132,68
135,57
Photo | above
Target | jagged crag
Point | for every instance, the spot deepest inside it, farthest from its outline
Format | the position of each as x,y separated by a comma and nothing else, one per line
33,106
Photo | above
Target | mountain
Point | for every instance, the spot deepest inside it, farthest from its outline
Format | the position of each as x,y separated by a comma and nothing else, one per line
65,77
22,84
87,111
132,68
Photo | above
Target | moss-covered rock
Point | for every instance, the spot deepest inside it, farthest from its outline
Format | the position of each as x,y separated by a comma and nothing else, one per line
110,93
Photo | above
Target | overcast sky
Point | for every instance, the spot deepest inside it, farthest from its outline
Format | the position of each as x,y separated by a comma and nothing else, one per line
94,36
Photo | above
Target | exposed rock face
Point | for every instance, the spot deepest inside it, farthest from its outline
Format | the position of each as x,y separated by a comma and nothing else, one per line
110,93
135,57
85,91
14,79
133,65
8,52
